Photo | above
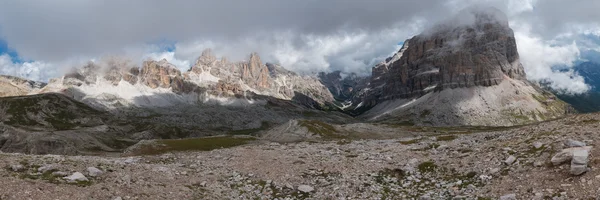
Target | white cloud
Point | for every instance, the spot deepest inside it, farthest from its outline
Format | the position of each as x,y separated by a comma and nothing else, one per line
38,71
336,34
183,65
539,57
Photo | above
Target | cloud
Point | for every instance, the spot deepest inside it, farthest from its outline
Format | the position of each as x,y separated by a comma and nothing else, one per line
304,36
30,70
539,58
183,65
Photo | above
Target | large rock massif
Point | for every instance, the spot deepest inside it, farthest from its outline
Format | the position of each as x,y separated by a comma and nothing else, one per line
154,101
464,71
114,82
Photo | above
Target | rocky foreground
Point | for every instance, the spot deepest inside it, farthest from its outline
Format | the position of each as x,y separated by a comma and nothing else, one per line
526,162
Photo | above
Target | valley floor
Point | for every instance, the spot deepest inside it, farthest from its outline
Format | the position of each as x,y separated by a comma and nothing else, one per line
430,166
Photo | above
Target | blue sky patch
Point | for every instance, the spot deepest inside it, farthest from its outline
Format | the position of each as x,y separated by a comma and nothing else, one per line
12,53
164,45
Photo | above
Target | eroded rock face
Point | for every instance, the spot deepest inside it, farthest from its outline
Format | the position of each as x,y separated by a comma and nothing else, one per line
343,86
160,74
465,71
478,54
15,86
266,79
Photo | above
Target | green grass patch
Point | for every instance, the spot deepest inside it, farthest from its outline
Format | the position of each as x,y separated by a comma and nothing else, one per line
446,137
426,167
192,144
321,128
253,131
408,142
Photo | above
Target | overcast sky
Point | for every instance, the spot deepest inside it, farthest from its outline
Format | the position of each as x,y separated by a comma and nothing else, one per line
307,36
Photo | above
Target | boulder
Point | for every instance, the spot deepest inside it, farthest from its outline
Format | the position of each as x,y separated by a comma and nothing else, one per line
567,154
17,168
94,172
76,177
46,168
305,188
579,162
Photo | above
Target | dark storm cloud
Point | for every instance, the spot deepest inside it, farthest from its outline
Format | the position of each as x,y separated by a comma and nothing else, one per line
302,35
51,30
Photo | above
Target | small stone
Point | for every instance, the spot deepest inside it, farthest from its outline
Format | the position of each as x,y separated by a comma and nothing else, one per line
459,197
494,170
510,160
573,143
94,172
77,176
537,145
425,197
305,188
203,184
509,197
538,163
118,198
130,160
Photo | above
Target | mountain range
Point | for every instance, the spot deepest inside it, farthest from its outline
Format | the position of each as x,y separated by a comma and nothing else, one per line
455,74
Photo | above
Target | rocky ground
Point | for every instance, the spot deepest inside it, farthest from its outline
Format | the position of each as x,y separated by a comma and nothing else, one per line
440,163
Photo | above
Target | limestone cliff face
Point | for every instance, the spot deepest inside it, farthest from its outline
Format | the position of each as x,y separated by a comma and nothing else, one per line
464,71
479,54
161,74
208,76
255,76
343,88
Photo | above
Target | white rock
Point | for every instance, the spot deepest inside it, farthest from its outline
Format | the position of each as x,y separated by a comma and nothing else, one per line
93,172
537,145
509,197
573,143
494,170
17,168
425,197
538,163
118,198
510,160
566,155
76,177
305,188
46,168
60,174
130,160
579,162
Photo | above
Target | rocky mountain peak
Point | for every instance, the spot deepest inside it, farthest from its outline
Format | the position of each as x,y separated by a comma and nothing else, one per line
255,73
161,74
474,52
206,59
479,51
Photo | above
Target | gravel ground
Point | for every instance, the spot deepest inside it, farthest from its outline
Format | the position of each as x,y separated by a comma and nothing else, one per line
441,166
